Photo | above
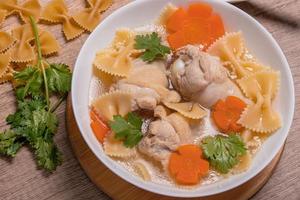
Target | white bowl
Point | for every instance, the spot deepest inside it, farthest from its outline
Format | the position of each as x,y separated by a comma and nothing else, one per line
139,13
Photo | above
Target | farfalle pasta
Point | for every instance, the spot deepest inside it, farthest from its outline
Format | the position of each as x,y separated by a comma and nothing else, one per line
4,63
49,44
57,12
23,51
6,41
117,59
90,17
188,109
115,148
232,51
25,10
7,76
111,104
166,14
141,169
261,88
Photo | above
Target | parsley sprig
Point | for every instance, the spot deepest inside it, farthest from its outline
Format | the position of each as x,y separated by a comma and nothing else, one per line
35,123
127,129
223,152
151,44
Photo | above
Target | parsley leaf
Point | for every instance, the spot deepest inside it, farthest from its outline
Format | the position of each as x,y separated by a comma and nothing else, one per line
129,131
59,78
30,81
223,152
10,143
37,126
151,43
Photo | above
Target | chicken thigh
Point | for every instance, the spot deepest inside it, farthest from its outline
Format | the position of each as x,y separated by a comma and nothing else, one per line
200,77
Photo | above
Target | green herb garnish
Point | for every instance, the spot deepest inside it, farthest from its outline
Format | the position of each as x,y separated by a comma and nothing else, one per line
151,44
223,152
127,129
35,122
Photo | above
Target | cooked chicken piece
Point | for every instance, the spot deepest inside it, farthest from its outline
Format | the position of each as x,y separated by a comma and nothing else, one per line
215,91
181,127
148,84
144,74
165,135
160,140
201,77
144,98
160,112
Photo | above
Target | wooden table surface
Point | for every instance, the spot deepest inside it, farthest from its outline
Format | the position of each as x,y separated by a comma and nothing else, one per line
20,179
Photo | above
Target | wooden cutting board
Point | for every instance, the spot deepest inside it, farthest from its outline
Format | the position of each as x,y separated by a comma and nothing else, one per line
119,189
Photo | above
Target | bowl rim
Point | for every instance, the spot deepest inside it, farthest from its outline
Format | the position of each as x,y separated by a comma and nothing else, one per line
141,184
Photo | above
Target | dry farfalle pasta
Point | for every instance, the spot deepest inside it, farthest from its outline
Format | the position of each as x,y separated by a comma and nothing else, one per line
117,59
234,55
188,109
7,76
29,8
261,88
6,41
4,64
116,148
115,103
49,44
57,12
23,51
90,17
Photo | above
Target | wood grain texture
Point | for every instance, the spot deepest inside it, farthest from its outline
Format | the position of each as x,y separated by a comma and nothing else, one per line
20,180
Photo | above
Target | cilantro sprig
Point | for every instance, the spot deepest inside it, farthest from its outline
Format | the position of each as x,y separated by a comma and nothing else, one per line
151,44
127,129
35,123
223,152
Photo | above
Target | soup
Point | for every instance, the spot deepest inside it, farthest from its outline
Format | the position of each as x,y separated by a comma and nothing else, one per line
182,102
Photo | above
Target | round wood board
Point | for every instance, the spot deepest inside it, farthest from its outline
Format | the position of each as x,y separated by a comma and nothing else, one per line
119,189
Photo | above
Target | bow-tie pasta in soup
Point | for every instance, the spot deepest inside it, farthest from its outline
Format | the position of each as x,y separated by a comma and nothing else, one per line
182,102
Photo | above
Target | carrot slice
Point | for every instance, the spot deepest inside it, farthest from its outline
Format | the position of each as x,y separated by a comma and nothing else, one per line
187,166
99,128
197,31
198,25
226,114
177,40
177,20
217,25
200,10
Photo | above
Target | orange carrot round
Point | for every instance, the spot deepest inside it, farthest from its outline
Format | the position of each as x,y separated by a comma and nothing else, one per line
177,40
99,128
200,10
177,20
187,166
197,26
226,114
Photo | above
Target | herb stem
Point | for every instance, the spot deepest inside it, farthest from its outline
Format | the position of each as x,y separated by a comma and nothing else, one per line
40,58
57,104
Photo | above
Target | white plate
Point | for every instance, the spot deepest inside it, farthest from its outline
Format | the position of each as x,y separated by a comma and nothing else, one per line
142,12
